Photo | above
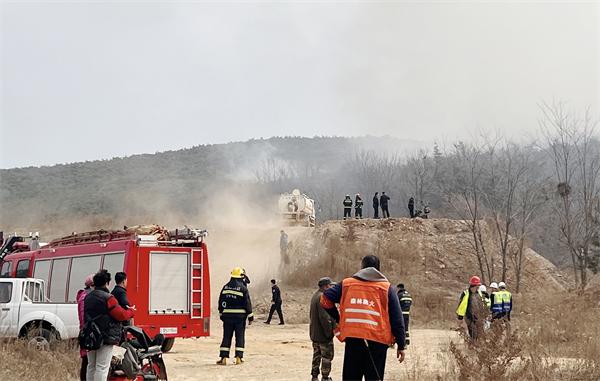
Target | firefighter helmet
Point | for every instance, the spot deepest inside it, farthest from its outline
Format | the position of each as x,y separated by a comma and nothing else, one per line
237,272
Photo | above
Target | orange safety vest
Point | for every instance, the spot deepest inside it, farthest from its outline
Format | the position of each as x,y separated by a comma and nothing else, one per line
364,311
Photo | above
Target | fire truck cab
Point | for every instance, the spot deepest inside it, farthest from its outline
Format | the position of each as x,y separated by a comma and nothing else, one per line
167,274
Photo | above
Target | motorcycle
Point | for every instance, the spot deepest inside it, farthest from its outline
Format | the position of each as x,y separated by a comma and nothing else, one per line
140,358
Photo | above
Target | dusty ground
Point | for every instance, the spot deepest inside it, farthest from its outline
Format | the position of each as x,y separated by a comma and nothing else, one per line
284,353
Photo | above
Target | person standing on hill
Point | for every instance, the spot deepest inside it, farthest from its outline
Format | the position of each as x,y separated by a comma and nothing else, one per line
358,205
347,207
234,308
370,320
276,303
383,201
411,207
283,248
376,205
321,334
472,308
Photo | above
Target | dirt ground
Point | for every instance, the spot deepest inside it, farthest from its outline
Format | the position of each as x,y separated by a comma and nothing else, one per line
284,353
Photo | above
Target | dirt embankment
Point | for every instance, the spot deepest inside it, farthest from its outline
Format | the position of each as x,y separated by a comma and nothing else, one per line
433,258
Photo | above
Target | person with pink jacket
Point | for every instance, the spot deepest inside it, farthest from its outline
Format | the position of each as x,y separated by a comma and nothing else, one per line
81,294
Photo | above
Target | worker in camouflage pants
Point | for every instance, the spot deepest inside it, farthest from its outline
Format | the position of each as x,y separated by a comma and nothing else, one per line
321,334
322,357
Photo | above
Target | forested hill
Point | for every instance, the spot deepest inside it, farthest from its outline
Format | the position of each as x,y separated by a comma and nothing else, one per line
179,183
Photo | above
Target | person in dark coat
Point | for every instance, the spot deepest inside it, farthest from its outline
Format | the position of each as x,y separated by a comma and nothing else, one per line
102,307
120,292
411,207
383,202
321,334
276,303
120,289
376,205
358,205
347,207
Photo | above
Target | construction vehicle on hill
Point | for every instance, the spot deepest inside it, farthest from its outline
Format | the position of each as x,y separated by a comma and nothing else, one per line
297,209
167,272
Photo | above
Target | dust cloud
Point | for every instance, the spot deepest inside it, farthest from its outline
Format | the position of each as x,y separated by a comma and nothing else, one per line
244,233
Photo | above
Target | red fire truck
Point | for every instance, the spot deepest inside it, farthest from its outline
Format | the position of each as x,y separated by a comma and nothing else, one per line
167,273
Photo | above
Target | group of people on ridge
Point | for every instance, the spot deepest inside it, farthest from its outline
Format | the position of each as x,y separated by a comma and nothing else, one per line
480,309
378,202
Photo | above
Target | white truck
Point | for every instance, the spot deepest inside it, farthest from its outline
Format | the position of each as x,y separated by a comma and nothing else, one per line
26,313
297,209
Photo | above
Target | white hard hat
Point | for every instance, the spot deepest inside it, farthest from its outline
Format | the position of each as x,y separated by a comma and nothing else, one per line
482,288
494,285
502,285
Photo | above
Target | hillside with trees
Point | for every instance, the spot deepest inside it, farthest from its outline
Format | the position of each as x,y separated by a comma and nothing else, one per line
542,194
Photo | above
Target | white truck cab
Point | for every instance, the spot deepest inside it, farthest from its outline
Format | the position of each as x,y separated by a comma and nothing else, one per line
26,313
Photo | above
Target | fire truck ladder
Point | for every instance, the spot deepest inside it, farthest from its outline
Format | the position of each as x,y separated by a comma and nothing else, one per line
196,285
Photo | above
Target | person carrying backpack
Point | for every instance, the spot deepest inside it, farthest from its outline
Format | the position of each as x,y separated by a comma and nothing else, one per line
102,315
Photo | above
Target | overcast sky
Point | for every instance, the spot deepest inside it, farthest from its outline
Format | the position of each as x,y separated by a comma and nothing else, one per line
90,80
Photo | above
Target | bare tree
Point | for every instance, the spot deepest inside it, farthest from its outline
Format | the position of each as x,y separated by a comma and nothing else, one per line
575,154
420,171
506,170
273,171
530,195
462,189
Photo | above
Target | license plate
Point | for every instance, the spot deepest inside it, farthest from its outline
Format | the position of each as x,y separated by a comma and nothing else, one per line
168,330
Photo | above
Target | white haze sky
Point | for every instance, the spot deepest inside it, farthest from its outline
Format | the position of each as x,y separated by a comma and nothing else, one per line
90,80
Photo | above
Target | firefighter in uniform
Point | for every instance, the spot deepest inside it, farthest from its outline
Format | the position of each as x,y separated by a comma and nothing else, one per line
347,207
234,308
358,205
405,304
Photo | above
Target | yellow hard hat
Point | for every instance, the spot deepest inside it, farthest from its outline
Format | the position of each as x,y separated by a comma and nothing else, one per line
237,272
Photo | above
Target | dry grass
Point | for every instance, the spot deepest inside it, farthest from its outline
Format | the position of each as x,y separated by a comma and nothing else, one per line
19,362
554,338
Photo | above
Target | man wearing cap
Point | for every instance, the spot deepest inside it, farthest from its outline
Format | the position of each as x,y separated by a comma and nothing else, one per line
472,308
321,334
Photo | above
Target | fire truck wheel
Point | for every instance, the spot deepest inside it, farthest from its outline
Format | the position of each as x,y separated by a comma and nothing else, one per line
168,344
40,339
